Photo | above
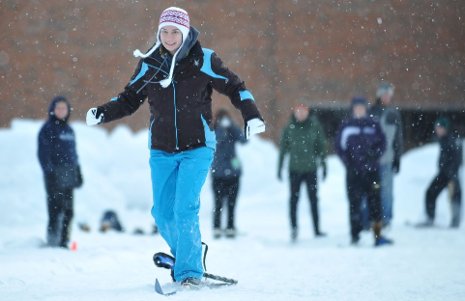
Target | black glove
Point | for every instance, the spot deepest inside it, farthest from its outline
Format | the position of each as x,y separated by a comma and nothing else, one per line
325,170
396,165
79,179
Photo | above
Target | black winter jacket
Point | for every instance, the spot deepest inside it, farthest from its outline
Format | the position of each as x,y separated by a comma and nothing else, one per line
181,114
57,151
226,164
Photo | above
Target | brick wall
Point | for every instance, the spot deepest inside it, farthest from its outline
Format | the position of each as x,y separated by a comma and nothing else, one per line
324,51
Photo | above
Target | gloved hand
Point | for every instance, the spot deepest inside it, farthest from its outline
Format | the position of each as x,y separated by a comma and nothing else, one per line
94,116
280,176
396,165
254,126
325,171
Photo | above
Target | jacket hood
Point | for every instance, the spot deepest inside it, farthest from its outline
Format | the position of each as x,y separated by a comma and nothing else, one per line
53,103
188,43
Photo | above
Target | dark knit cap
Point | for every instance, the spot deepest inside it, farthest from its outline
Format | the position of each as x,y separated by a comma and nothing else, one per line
359,100
443,122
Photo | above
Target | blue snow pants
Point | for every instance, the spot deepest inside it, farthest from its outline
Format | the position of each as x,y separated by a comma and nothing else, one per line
177,179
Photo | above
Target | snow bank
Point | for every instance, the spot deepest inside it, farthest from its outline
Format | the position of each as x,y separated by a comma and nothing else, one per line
422,265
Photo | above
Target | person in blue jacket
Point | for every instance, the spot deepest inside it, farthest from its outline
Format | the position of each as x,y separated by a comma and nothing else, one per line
59,161
226,172
360,143
178,76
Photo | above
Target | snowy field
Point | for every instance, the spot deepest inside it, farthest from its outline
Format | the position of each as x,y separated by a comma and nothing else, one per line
422,265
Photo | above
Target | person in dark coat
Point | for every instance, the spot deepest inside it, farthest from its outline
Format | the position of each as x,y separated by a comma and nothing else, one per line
303,139
360,143
450,160
226,172
390,120
59,161
177,76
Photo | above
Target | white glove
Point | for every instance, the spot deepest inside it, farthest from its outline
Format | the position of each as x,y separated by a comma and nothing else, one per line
94,116
254,126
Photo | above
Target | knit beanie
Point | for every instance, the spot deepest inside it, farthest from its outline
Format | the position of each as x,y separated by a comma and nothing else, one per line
443,122
172,16
358,100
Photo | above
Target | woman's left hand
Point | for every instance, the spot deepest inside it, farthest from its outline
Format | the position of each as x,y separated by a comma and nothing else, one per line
254,126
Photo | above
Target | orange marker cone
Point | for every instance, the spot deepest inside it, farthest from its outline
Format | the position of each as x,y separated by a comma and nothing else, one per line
73,246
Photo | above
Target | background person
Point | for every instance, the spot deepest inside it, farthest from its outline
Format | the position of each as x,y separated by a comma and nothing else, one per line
360,143
450,160
304,140
62,173
226,172
390,120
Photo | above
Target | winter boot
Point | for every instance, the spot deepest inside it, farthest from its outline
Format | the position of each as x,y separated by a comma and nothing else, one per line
320,234
456,214
217,232
354,241
230,233
191,283
382,241
294,235
455,223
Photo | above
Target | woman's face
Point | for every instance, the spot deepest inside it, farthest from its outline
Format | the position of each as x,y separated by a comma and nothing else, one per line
171,38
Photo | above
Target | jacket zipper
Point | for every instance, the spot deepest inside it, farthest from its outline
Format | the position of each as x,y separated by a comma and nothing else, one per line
150,133
175,115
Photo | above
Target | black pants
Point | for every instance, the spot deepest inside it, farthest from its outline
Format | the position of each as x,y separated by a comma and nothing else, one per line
225,190
310,179
440,182
359,186
60,215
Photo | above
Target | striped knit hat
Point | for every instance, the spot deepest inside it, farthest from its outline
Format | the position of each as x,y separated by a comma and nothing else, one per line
172,16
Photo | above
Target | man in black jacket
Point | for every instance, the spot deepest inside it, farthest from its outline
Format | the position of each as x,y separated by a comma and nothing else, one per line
450,159
59,162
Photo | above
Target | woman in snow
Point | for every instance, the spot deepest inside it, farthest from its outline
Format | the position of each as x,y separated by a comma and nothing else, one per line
177,76
59,161
226,171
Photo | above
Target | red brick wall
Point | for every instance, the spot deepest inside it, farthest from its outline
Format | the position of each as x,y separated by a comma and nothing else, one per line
325,51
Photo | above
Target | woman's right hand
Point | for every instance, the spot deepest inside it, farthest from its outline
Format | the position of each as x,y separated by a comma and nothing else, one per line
94,116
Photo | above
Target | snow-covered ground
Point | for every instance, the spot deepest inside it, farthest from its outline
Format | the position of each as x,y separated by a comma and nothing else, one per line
422,265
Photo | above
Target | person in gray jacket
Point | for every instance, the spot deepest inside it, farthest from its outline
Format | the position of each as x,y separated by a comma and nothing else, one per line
391,123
